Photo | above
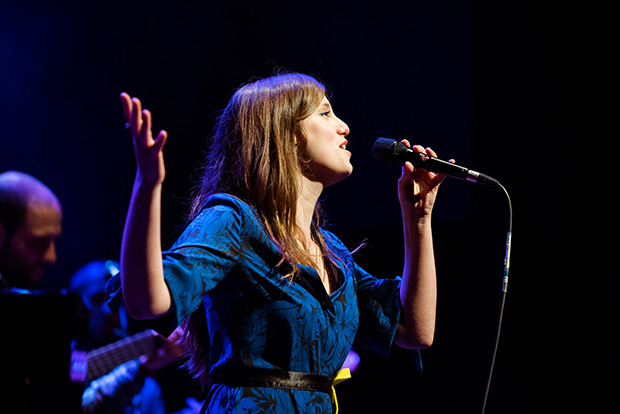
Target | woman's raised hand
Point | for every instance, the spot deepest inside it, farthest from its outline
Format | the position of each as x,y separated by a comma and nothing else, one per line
148,150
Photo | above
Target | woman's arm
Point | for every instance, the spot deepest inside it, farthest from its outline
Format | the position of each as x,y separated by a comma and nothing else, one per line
417,190
145,292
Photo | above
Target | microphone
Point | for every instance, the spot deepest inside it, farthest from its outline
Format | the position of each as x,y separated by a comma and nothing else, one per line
392,152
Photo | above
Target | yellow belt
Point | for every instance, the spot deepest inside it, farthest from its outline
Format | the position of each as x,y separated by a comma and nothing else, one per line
342,375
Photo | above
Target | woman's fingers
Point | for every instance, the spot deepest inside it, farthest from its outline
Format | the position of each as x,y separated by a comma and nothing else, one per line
145,127
132,110
410,170
141,121
147,137
136,117
148,151
126,101
162,137
431,152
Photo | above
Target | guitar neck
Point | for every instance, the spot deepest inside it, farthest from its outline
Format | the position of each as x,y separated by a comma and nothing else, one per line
105,359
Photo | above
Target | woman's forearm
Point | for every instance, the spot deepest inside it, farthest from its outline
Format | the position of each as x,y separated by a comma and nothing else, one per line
418,291
145,292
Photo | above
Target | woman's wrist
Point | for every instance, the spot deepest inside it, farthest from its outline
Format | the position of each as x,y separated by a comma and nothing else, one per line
146,184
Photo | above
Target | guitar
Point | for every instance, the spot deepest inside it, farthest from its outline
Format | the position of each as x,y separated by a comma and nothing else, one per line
86,366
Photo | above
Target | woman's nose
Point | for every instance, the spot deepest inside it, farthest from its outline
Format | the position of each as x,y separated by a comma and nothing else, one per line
343,129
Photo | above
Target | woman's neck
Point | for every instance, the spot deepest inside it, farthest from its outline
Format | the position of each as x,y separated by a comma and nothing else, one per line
306,204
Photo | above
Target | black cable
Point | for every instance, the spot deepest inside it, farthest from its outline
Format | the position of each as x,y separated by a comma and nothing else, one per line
503,302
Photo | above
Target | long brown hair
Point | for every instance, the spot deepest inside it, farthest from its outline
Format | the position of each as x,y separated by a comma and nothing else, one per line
257,154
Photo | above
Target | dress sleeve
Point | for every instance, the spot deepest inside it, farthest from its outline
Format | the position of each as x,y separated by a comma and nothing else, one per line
379,307
204,254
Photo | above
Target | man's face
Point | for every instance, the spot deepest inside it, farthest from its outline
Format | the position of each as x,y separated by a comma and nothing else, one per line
32,247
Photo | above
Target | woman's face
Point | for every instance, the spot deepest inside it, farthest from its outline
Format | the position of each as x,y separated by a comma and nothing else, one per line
326,145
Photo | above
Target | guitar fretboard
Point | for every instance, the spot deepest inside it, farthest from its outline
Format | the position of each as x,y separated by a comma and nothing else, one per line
105,359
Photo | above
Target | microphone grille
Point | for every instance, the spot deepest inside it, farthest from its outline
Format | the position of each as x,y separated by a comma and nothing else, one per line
382,151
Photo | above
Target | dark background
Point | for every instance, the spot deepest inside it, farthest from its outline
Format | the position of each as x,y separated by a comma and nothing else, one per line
487,83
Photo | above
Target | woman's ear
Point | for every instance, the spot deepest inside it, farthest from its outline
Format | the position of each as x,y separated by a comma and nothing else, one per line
299,139
296,138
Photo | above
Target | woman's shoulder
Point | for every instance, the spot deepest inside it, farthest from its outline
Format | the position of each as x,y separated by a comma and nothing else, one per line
223,209
222,202
222,216
225,200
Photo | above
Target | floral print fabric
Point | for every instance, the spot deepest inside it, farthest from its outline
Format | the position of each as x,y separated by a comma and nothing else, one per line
258,318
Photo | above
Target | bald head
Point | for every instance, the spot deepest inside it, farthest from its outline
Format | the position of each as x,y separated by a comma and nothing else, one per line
30,222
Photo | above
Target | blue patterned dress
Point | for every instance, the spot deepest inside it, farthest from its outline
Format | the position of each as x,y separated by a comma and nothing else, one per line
258,318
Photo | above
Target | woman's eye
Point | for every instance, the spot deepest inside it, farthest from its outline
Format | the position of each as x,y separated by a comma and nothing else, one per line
326,113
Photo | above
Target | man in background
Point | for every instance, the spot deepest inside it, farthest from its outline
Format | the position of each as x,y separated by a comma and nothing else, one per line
30,223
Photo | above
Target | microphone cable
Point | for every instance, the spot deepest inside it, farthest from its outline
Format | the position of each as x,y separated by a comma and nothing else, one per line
503,300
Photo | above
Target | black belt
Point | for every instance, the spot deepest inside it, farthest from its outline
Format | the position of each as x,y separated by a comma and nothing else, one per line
273,378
